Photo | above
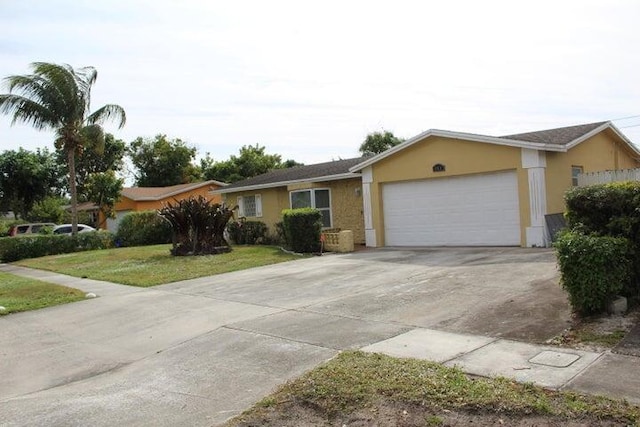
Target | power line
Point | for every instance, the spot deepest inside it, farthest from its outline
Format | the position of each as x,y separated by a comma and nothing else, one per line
628,117
630,126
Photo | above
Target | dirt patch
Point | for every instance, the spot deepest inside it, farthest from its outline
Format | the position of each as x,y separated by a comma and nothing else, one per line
597,333
534,315
391,413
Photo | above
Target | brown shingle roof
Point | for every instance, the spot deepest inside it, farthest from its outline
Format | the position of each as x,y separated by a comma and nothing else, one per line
559,136
297,173
157,193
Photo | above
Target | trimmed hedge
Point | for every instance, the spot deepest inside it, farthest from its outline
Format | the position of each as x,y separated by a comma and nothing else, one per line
606,209
604,224
143,228
302,229
594,268
37,245
247,232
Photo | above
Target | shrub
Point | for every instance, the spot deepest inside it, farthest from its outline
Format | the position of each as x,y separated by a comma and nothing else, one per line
606,209
609,210
198,226
594,268
302,229
143,228
247,232
37,245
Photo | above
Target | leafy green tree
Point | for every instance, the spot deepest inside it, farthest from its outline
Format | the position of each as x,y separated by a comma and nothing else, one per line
161,162
109,157
26,178
57,97
104,189
50,209
377,142
251,161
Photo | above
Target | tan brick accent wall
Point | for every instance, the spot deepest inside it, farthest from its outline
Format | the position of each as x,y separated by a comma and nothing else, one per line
346,204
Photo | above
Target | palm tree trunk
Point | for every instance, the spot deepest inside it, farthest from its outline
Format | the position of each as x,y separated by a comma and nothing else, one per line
71,158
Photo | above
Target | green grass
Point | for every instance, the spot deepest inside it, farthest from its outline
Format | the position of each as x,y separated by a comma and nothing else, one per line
355,380
603,339
22,294
153,265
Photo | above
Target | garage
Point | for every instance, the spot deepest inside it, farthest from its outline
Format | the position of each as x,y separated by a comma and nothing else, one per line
469,210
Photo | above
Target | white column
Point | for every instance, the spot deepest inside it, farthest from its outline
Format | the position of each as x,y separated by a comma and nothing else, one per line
369,231
534,161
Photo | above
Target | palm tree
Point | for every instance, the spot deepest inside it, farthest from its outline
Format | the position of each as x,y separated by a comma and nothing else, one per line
57,97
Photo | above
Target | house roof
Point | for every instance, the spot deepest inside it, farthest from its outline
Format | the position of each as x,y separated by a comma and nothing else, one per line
84,206
328,171
158,193
558,139
558,136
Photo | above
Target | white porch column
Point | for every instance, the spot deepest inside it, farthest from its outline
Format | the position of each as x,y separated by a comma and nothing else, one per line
369,231
535,162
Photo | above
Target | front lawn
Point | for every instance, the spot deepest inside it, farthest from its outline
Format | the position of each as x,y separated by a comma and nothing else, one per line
373,389
22,294
153,265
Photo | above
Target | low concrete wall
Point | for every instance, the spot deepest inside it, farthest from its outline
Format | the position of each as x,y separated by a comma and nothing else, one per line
341,241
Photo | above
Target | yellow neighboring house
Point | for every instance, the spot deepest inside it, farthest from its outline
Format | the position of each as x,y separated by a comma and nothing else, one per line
443,188
329,187
149,198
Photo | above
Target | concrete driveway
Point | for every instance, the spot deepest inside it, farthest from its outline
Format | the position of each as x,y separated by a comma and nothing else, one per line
200,351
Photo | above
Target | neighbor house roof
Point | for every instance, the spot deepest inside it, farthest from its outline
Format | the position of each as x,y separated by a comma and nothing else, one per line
328,171
558,139
143,194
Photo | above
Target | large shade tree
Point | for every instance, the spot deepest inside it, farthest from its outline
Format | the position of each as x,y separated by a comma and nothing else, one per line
107,157
57,97
251,161
377,142
162,162
27,178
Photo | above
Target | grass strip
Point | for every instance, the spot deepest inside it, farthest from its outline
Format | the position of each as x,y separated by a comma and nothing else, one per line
354,380
23,294
153,265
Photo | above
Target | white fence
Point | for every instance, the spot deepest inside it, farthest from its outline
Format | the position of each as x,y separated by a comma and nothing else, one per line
603,177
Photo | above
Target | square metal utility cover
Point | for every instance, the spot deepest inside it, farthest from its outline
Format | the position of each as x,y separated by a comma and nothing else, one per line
554,358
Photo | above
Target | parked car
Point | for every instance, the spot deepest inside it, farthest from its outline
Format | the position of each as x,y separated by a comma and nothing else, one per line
66,229
36,227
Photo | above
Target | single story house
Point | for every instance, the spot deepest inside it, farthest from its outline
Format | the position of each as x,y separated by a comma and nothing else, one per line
444,188
150,198
329,187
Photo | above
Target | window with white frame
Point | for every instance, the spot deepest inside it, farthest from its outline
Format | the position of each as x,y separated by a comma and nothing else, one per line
318,198
250,206
575,171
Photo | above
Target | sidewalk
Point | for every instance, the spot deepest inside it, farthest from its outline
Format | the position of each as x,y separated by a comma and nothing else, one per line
555,368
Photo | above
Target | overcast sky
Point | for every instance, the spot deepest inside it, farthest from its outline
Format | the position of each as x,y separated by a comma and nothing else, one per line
309,80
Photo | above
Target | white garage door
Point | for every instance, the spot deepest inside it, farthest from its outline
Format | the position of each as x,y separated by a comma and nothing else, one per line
471,210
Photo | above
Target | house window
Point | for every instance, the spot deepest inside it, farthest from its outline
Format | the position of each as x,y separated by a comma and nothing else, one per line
250,206
575,171
314,198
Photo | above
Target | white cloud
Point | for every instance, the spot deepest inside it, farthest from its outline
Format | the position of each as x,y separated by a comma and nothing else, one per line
309,80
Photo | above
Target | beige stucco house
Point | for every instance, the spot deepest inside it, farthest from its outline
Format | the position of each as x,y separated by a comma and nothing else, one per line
443,188
329,187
